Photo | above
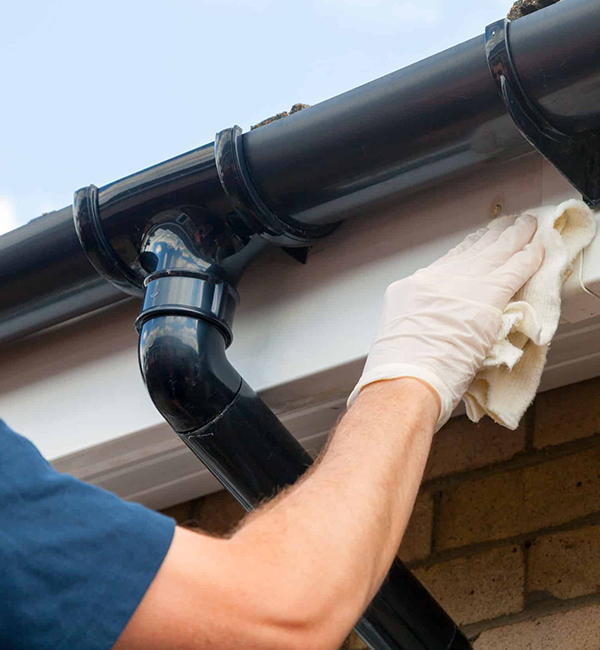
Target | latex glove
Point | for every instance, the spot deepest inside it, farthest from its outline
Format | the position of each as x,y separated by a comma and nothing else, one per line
439,324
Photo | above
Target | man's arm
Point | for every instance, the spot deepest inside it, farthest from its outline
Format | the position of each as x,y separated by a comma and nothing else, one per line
301,570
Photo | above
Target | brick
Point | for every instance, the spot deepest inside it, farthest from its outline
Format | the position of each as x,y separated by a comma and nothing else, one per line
462,445
481,510
567,413
562,490
481,587
218,513
520,501
576,630
416,543
566,565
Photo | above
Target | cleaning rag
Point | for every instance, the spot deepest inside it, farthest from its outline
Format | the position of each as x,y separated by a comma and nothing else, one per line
511,373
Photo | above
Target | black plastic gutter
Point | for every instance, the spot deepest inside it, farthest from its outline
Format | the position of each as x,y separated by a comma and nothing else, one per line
46,277
429,121
347,156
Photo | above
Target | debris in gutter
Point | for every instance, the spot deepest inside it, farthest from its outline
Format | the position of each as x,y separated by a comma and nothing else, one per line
525,7
295,109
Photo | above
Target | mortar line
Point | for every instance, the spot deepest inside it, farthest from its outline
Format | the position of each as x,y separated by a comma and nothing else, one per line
530,613
445,555
436,497
526,548
530,418
519,461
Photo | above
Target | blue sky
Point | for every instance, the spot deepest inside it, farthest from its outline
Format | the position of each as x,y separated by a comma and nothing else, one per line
96,91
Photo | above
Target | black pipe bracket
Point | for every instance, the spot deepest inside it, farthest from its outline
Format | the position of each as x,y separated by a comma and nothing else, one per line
86,216
576,156
246,201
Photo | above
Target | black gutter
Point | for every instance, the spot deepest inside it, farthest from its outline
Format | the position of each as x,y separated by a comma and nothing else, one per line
46,277
427,122
345,157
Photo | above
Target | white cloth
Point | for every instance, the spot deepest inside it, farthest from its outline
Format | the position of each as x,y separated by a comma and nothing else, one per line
511,373
439,324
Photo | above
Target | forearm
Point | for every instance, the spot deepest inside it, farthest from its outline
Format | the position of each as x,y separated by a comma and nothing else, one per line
334,535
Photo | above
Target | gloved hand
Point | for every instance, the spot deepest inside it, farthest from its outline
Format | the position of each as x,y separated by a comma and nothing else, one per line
439,324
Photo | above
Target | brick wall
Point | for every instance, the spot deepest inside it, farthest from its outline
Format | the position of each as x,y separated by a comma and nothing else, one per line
506,530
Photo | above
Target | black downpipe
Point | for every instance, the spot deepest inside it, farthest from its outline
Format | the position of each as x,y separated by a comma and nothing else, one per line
185,327
345,157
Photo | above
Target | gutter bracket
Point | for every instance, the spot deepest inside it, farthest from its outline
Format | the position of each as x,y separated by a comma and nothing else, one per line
86,217
244,198
576,156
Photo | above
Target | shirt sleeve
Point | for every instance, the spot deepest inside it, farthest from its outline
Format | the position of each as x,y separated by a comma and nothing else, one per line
76,560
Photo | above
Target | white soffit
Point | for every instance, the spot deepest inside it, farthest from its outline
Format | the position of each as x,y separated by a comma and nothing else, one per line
301,336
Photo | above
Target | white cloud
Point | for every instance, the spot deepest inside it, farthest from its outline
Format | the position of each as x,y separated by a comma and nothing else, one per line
8,215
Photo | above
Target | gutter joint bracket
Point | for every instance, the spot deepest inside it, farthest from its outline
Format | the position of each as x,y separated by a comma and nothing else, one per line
575,155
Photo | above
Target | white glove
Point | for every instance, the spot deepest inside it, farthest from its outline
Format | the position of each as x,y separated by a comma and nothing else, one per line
439,324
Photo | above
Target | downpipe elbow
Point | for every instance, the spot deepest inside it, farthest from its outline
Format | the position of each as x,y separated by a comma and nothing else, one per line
185,328
186,371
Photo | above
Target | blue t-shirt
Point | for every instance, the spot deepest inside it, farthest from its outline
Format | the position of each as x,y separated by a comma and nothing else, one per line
75,560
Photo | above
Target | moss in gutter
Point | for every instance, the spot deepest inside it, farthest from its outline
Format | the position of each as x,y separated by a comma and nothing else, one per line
295,108
525,7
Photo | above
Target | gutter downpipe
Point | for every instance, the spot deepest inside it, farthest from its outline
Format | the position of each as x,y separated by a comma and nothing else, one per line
180,234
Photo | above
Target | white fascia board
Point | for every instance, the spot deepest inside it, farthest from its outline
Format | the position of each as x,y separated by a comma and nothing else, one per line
301,336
